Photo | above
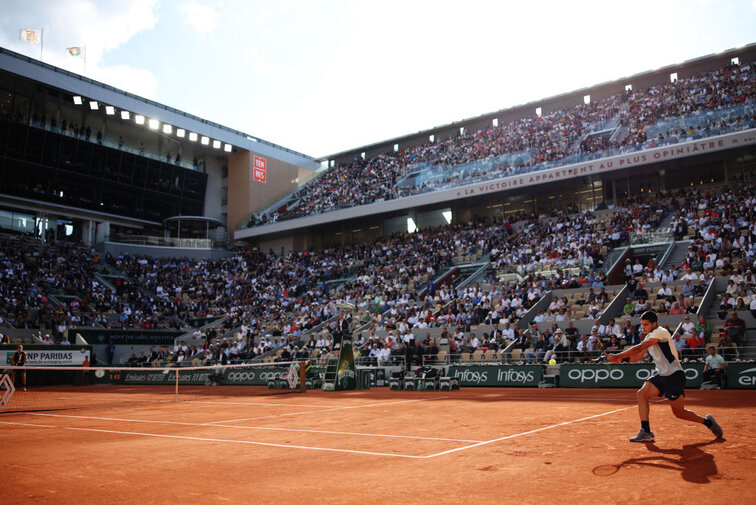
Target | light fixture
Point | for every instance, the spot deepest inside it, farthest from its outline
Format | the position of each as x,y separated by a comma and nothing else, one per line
205,141
109,110
181,133
78,100
125,114
411,226
93,105
154,124
139,119
193,136
216,144
228,148
167,128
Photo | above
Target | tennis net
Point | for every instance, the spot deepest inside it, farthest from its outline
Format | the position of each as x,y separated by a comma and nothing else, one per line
36,388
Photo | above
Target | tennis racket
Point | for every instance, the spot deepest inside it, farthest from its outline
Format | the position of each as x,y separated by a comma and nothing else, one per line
602,356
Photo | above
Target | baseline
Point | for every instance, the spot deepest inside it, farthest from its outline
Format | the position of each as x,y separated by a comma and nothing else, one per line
204,439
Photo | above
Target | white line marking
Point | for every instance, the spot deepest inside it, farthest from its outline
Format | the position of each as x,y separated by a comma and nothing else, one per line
204,425
322,410
263,404
202,439
526,432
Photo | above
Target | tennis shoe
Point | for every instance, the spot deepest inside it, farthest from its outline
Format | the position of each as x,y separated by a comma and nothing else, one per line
643,436
715,428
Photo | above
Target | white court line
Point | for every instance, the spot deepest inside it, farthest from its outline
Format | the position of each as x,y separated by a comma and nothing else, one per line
262,428
202,439
527,432
221,403
322,410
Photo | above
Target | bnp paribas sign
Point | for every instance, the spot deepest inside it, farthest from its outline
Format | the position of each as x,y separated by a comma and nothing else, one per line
620,376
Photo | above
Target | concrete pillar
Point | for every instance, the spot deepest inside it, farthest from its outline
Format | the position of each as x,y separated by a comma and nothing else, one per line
103,232
87,232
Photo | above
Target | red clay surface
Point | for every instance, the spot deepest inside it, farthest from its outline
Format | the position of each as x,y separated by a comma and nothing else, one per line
476,446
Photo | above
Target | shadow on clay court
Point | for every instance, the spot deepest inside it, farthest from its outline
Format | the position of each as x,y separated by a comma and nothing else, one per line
694,464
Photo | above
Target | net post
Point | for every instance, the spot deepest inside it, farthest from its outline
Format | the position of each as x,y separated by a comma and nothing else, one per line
302,377
177,383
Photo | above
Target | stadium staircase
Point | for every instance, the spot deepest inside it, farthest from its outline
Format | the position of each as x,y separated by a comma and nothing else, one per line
676,255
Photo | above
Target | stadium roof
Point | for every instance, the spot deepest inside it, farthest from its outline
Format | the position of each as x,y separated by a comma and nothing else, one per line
78,85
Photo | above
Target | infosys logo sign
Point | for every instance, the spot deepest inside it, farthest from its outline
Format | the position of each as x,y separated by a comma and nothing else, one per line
747,377
500,376
515,376
468,375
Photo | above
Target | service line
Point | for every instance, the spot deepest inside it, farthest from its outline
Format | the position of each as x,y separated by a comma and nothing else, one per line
260,428
322,410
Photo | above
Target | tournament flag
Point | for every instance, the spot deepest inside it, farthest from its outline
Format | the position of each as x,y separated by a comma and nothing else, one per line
33,36
75,52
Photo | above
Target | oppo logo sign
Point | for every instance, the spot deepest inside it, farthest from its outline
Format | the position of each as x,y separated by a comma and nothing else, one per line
598,375
240,376
247,376
643,374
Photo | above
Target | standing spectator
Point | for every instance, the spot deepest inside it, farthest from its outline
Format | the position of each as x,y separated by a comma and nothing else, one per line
110,352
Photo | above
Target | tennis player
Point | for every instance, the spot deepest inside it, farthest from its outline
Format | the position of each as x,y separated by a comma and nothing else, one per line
19,359
669,380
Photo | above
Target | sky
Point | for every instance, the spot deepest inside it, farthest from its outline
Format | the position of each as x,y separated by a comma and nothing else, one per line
325,76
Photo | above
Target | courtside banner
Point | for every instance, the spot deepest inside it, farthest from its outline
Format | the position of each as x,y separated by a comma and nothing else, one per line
259,376
631,375
741,375
497,376
59,355
127,337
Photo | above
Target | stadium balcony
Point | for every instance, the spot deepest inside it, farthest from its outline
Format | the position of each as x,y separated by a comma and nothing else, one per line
621,124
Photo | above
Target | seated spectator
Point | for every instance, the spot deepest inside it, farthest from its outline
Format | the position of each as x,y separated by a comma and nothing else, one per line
734,328
715,367
679,342
676,309
629,308
687,327
694,347
430,352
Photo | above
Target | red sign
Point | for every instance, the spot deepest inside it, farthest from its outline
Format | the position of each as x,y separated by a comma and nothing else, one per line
258,169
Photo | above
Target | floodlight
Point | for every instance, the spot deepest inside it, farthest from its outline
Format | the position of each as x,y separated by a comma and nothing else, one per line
411,226
228,148
125,114
216,144
78,100
193,136
93,105
154,124
181,133
167,128
205,141
109,110
139,119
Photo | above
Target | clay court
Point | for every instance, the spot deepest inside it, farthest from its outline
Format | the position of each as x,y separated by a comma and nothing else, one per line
468,446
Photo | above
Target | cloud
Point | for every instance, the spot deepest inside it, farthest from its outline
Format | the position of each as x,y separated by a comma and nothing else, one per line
100,25
202,18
